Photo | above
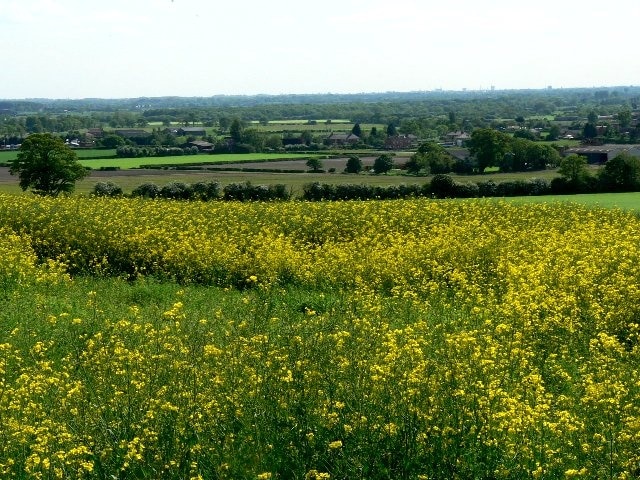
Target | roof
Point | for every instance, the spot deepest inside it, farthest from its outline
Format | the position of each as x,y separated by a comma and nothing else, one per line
202,144
597,149
131,132
343,136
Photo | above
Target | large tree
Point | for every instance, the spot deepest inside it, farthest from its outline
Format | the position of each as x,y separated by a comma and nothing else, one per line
574,169
46,165
315,164
621,173
488,146
383,164
430,158
354,164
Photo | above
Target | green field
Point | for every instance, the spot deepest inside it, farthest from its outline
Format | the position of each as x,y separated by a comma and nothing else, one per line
624,201
302,121
82,154
97,159
128,163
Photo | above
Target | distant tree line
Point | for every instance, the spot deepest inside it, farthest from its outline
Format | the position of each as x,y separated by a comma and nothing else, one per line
425,114
128,151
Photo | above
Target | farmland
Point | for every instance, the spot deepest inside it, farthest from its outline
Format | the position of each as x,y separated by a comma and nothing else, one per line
395,339
97,159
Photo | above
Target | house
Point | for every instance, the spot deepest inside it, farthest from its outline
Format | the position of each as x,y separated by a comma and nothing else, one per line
131,132
459,138
399,142
191,132
336,139
598,154
202,146
96,132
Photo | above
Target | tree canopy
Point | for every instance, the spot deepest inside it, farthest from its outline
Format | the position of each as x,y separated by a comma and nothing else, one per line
354,164
574,169
383,164
46,165
488,146
621,173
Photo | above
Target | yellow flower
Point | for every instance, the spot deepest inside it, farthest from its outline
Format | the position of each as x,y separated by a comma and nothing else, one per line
335,445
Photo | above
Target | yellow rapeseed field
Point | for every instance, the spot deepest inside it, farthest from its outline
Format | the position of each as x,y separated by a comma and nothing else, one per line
403,339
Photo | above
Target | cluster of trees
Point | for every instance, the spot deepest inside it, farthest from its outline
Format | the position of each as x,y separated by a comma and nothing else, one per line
488,148
426,114
491,148
128,151
620,174
204,191
431,158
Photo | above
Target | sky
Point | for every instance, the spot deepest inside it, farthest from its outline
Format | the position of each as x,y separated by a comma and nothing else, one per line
150,48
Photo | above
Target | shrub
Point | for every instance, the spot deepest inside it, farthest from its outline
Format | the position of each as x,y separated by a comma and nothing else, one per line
107,189
206,190
539,186
466,190
354,164
177,190
383,164
316,191
487,189
248,192
146,190
442,186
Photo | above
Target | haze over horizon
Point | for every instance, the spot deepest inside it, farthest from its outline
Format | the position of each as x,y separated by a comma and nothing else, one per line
70,49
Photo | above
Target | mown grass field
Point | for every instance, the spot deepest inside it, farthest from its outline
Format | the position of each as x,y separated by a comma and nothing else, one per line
6,156
625,201
399,339
127,163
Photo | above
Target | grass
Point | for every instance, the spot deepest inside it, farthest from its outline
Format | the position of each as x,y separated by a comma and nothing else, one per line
128,163
297,121
7,156
624,201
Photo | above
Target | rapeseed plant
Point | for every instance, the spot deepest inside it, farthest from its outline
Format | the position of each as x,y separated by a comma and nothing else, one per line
415,339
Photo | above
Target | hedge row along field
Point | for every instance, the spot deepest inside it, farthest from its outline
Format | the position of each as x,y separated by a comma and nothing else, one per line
396,339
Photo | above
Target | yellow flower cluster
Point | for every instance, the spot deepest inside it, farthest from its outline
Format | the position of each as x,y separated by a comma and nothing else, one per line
404,339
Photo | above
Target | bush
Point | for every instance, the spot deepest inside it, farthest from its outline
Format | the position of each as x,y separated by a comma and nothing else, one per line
316,191
107,189
516,188
248,192
206,190
383,164
354,164
539,186
146,190
442,186
177,191
487,189
466,190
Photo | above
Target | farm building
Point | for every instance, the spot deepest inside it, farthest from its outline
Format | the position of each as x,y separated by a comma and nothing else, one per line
602,153
459,138
398,142
131,132
192,131
202,146
342,139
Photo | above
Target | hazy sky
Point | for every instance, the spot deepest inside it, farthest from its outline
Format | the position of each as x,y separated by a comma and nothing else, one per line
132,48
